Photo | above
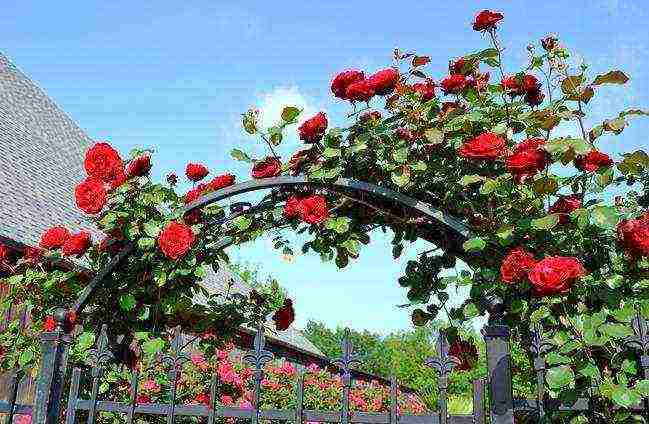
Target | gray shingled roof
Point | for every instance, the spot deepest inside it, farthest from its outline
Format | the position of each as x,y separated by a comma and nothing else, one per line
41,153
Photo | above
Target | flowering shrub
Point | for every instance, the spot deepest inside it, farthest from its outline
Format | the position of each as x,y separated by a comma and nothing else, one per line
322,390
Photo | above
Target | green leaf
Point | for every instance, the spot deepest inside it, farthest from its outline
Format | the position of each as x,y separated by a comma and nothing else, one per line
240,155
546,223
152,229
400,155
625,397
152,347
86,340
400,179
612,77
146,243
242,222
470,310
352,246
475,244
560,377
434,136
25,357
563,144
605,217
470,179
330,152
616,331
338,224
127,302
289,113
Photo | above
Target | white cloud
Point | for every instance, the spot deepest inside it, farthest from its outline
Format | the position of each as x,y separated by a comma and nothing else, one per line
271,104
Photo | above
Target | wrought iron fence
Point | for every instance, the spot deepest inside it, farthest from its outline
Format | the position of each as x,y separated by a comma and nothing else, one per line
493,399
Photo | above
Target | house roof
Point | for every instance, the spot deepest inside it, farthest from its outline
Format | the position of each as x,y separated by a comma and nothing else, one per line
41,155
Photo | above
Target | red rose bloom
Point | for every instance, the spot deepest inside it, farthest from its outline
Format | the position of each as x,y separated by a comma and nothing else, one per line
298,160
479,81
564,205
139,166
383,82
196,171
534,97
343,80
103,163
285,316
527,159
555,275
175,240
203,399
77,244
459,66
267,168
195,193
486,146
487,20
516,265
221,181
32,254
593,161
54,237
312,130
425,89
454,84
143,399
359,91
633,236
512,86
465,352
49,324
4,252
313,209
292,207
530,83
90,196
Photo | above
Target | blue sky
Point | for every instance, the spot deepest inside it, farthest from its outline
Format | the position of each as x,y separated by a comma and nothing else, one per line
177,75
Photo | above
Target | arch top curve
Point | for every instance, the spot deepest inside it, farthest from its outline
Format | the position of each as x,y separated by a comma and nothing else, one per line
451,223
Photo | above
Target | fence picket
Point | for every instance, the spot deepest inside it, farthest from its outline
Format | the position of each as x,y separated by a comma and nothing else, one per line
393,399
347,359
98,357
135,377
259,357
13,394
175,359
478,401
70,414
299,402
443,363
211,417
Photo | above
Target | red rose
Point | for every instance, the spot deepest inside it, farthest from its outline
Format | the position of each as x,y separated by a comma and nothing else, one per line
77,244
196,171
292,207
383,82
54,237
4,252
175,240
593,161
285,316
195,193
267,168
312,130
549,43
343,80
139,166
90,196
534,97
221,181
313,209
359,91
487,20
633,236
32,254
49,324
512,86
454,84
143,399
555,275
516,265
465,352
203,399
425,89
296,162
103,163
460,66
486,146
530,83
527,159
564,205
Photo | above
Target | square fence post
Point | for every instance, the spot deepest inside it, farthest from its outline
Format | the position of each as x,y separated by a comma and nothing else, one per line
55,345
496,336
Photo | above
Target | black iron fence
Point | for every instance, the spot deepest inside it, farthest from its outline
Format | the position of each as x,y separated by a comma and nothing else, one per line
493,399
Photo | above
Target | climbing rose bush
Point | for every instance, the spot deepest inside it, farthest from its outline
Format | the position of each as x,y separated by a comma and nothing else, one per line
556,226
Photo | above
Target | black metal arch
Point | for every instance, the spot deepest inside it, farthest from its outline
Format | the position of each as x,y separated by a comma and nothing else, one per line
443,229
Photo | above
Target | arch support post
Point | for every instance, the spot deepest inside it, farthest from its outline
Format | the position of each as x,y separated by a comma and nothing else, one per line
51,374
496,336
